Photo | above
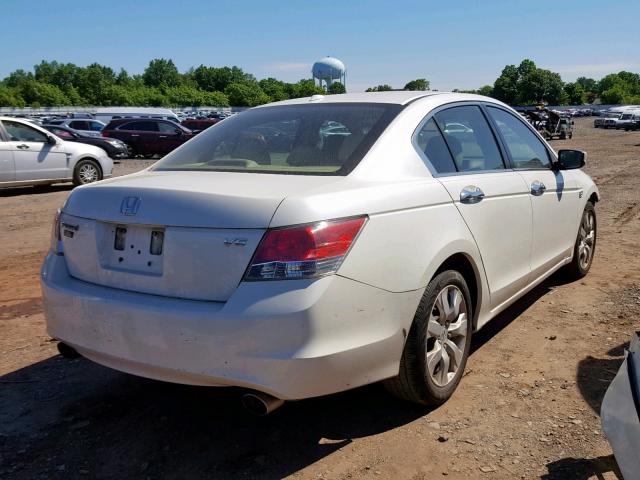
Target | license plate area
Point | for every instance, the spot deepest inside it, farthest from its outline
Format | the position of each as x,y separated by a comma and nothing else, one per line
132,248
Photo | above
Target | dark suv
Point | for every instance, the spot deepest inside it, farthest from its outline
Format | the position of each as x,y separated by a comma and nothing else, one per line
148,136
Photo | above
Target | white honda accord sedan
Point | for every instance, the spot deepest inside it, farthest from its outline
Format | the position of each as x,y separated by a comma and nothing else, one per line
314,245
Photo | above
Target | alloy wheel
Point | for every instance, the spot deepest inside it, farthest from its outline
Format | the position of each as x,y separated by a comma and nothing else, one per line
586,239
446,335
88,173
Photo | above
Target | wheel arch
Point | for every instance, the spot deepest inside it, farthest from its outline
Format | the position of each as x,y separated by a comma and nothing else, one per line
90,159
464,264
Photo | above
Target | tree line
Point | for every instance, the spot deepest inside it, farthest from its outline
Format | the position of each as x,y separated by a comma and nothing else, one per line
527,84
161,84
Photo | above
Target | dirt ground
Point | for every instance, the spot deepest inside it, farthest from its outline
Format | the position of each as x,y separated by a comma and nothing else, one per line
528,406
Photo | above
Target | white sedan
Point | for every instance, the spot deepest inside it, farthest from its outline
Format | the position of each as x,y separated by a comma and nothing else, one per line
266,255
30,155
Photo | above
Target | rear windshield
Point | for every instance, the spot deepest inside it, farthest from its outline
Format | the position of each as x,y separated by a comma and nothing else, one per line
327,139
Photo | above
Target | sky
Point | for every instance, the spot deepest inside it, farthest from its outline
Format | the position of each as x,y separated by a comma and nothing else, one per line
455,44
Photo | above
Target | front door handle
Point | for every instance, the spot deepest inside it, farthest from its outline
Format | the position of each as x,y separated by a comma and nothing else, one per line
134,135
537,188
23,147
471,194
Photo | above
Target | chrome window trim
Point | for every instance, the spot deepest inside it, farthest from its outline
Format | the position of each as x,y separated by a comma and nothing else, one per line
464,103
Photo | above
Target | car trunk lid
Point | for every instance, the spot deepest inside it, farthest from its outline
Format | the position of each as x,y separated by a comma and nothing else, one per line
180,234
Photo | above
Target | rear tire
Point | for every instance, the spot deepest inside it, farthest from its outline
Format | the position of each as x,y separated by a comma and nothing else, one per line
436,350
86,171
585,246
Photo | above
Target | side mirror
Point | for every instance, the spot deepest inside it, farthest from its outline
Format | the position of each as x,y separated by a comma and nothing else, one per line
178,132
571,159
51,140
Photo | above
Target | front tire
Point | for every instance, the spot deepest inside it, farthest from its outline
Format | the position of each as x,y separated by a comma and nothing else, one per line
585,246
436,350
86,171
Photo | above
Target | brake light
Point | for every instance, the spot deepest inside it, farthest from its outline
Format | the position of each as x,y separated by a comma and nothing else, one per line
56,237
306,251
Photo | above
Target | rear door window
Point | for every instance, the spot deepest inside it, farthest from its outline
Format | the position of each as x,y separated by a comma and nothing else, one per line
430,141
469,139
143,126
79,125
167,128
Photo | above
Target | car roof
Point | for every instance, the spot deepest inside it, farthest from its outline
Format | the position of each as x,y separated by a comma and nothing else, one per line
398,97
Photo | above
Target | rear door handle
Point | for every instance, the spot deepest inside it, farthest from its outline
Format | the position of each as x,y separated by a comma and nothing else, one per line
162,136
537,188
134,135
471,194
23,147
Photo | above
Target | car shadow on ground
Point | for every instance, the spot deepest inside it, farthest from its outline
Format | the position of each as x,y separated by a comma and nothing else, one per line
64,418
35,190
583,469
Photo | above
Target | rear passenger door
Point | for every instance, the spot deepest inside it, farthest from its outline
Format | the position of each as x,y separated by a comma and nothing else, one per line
464,156
553,194
170,137
142,135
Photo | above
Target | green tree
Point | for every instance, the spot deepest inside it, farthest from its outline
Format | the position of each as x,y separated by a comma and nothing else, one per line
336,87
246,95
487,91
380,88
575,93
218,79
305,88
418,84
215,99
161,73
38,94
18,78
276,89
9,97
614,95
505,88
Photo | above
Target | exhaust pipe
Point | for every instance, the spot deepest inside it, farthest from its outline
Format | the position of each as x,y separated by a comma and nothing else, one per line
260,404
68,352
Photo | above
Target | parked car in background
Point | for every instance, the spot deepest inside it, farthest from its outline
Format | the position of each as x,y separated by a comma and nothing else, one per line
84,125
625,119
148,137
304,267
106,114
197,125
115,148
610,120
634,124
31,155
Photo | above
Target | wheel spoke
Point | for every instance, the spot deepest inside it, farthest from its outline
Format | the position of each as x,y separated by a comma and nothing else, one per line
456,353
434,329
459,327
434,357
444,368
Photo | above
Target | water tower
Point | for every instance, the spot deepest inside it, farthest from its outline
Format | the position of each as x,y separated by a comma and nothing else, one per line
328,70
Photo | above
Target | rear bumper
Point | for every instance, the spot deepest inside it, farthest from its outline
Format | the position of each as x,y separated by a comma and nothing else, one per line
291,339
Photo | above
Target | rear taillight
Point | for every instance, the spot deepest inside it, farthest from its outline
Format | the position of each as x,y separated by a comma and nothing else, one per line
56,238
305,251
